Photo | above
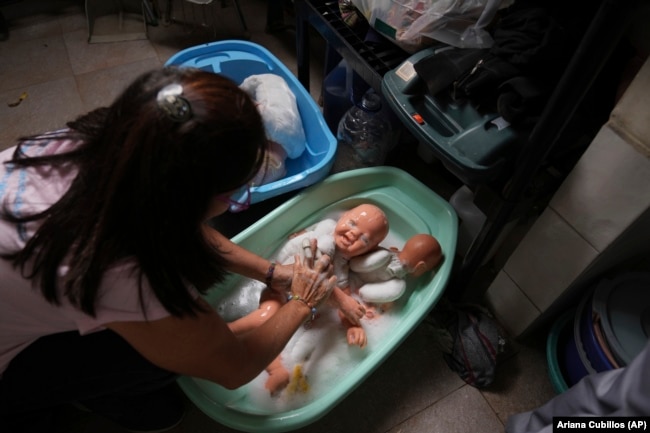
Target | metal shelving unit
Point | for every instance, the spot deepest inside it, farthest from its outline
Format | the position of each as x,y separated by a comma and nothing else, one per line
503,201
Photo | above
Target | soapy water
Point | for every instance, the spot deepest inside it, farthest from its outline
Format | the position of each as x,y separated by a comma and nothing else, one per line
317,357
318,351
324,358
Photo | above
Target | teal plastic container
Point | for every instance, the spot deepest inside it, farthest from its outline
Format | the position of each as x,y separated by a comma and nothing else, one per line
411,208
238,60
558,343
472,143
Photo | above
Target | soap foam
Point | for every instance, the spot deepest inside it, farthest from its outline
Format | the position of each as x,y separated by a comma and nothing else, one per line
320,348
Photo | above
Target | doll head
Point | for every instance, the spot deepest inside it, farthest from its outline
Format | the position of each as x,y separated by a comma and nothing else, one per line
359,230
420,254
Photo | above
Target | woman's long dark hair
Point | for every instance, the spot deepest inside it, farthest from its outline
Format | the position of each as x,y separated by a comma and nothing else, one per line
142,190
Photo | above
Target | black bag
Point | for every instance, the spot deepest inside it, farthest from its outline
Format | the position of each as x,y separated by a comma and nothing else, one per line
444,66
515,76
471,341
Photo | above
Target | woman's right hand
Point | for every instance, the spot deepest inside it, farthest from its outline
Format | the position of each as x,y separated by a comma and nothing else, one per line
312,279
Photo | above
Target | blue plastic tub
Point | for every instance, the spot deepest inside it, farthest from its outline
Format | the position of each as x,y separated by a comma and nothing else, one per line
411,208
595,354
239,59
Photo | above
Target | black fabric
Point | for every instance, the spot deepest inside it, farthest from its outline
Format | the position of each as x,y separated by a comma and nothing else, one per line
100,371
532,47
476,347
529,39
526,55
443,67
470,340
481,83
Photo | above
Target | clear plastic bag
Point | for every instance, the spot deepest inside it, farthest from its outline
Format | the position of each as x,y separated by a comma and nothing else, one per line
417,24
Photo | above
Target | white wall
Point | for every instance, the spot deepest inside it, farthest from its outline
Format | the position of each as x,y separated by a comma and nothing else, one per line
598,218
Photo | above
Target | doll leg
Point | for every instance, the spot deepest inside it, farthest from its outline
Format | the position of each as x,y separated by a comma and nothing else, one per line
278,376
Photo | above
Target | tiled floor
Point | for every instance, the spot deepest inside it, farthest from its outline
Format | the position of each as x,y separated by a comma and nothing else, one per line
48,58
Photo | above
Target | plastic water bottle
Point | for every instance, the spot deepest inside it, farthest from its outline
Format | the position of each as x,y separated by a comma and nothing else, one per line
363,135
337,88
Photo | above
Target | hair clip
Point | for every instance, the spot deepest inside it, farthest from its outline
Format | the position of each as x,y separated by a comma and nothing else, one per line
169,100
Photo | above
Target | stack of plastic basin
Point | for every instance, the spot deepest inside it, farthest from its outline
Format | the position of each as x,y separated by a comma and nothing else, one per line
610,326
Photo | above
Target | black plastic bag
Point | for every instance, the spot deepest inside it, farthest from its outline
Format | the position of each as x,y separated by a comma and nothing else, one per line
470,340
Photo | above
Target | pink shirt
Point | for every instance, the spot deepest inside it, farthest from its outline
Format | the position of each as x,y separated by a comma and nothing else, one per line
24,314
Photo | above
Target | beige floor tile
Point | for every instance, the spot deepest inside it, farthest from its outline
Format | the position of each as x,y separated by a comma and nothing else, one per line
99,88
521,383
48,106
168,40
463,411
29,19
34,27
35,61
85,57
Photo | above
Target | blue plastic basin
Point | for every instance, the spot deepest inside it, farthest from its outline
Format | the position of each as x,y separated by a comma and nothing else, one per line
238,60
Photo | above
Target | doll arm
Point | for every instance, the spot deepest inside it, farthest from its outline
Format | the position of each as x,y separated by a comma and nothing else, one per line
371,261
355,334
270,303
383,291
349,307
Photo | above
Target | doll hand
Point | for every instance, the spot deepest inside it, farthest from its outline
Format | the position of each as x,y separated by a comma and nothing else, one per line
357,336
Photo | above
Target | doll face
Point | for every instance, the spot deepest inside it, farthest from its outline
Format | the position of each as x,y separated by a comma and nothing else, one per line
359,230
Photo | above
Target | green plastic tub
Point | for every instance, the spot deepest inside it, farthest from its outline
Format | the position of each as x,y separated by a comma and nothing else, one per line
559,339
411,208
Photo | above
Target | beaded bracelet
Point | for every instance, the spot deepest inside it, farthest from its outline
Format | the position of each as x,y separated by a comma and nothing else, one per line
269,274
293,297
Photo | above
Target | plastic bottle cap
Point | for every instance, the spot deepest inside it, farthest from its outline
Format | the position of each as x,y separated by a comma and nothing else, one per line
371,102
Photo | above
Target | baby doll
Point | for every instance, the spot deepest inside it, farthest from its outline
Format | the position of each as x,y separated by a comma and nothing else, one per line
382,272
356,232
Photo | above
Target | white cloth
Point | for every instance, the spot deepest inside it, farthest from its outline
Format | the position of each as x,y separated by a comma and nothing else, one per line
24,314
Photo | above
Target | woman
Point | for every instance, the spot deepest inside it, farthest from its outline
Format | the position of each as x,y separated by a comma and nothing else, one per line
106,248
